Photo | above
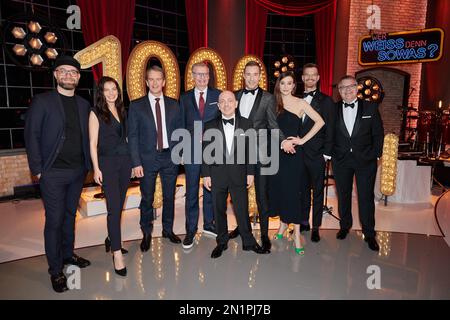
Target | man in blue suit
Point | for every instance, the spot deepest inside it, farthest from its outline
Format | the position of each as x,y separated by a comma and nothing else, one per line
151,121
57,144
198,106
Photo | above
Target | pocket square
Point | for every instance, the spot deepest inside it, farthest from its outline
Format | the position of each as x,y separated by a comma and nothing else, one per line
213,103
366,117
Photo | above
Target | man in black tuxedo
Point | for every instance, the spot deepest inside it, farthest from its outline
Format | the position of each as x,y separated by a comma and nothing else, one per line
318,149
228,169
57,144
358,143
151,121
259,107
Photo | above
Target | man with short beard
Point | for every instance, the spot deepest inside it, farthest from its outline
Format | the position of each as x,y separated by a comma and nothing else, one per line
57,144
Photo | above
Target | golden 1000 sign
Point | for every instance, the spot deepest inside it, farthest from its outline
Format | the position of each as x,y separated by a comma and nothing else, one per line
108,52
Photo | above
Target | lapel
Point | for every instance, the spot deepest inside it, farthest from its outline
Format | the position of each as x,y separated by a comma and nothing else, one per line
358,117
60,106
256,104
224,144
341,120
168,117
194,103
148,106
238,98
209,108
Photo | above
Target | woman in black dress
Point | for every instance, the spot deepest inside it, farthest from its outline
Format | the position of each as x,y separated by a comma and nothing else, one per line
111,160
289,183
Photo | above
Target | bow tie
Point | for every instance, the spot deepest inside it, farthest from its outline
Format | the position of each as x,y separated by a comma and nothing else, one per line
230,121
311,93
351,105
250,91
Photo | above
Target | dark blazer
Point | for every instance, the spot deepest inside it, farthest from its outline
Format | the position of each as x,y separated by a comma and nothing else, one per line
142,135
263,114
322,142
367,137
45,129
224,174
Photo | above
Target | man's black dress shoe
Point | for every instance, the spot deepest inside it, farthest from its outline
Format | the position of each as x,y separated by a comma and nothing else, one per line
372,242
77,261
146,242
59,282
171,236
234,234
256,248
315,237
265,243
304,227
342,234
217,252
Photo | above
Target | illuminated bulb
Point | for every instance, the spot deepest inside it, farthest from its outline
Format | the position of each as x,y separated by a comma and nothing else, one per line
19,49
367,92
36,60
360,86
277,64
368,82
360,96
18,33
291,65
284,59
34,27
51,53
375,87
35,43
284,69
50,37
276,73
375,96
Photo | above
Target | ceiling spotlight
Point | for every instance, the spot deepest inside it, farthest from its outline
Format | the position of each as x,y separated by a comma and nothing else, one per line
34,27
50,37
19,49
284,59
51,53
18,33
284,69
370,89
277,64
291,65
36,59
276,74
35,43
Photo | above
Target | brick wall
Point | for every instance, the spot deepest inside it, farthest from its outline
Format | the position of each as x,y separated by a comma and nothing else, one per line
395,16
14,171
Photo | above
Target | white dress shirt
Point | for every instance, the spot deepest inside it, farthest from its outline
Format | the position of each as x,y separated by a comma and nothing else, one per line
163,117
197,96
246,103
350,116
307,99
228,129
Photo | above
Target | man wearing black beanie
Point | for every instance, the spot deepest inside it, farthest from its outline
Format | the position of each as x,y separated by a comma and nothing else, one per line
57,144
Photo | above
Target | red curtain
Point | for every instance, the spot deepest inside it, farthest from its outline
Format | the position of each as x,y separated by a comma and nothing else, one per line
325,29
255,28
197,23
101,18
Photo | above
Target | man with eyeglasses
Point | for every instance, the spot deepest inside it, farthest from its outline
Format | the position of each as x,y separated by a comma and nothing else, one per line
198,106
57,144
358,143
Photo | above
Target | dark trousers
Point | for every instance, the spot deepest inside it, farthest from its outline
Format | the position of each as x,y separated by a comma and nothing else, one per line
116,172
240,205
168,171
344,171
60,190
315,175
191,207
262,201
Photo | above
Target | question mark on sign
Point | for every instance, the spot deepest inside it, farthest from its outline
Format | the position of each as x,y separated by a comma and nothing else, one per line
432,47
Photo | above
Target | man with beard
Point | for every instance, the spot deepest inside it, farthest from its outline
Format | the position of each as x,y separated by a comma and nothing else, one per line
57,144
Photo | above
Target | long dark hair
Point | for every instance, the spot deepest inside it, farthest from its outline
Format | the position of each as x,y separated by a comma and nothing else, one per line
277,92
101,106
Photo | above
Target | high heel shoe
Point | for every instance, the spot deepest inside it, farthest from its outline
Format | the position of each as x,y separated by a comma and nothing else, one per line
299,251
108,246
120,272
278,236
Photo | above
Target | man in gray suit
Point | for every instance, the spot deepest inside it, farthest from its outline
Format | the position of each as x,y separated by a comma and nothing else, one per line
259,107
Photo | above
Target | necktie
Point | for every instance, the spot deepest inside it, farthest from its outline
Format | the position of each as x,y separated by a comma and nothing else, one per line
351,105
201,105
311,93
250,91
159,145
230,121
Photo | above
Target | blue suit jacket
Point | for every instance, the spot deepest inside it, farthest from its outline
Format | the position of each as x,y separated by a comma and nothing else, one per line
191,113
45,130
142,135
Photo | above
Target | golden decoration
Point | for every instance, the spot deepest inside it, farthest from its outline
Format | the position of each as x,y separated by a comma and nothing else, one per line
137,65
252,206
206,55
106,51
157,197
238,73
389,164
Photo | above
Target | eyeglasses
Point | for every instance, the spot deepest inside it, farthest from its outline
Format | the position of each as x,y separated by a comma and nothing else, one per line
200,75
72,73
349,87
